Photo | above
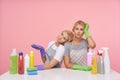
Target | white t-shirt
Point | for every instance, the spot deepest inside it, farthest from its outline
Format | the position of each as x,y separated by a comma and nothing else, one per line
59,50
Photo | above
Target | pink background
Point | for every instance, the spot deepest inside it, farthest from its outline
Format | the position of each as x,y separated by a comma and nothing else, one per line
25,22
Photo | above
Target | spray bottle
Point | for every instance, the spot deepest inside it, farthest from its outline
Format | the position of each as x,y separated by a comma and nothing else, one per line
89,57
13,62
31,59
20,63
26,62
100,63
106,60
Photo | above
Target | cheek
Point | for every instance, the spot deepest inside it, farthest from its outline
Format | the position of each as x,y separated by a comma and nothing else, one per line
75,32
62,40
58,36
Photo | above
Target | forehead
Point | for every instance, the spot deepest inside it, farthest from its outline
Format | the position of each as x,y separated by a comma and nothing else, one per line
79,26
65,34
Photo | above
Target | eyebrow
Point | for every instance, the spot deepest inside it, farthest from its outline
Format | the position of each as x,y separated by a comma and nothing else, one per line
64,36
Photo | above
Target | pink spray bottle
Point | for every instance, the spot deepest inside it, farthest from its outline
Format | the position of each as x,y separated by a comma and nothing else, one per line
89,57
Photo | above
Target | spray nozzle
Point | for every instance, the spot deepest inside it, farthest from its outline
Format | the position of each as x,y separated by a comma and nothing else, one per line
100,52
105,48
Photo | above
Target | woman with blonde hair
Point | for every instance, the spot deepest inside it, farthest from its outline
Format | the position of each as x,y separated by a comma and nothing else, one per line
75,56
53,56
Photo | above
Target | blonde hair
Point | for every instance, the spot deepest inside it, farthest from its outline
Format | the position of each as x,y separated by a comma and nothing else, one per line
79,22
70,35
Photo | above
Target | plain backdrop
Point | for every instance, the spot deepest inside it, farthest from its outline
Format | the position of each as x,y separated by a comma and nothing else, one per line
23,22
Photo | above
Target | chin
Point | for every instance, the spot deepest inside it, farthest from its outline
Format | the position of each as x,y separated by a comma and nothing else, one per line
79,37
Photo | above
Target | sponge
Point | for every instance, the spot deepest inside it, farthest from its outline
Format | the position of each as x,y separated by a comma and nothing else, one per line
32,69
32,73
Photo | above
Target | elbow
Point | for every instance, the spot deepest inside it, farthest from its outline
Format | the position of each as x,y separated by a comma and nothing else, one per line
92,46
68,66
48,66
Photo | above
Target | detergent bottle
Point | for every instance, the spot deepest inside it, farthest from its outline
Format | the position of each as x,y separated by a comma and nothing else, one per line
94,64
31,59
26,62
100,63
89,57
20,63
106,60
13,62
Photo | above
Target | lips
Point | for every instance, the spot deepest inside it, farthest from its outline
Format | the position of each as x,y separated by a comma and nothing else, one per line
78,34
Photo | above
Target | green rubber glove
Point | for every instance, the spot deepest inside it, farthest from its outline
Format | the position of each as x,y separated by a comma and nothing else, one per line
83,68
86,30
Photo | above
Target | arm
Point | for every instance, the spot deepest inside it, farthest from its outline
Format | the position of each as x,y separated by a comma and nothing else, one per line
91,42
67,62
69,65
49,44
43,59
42,51
52,63
57,58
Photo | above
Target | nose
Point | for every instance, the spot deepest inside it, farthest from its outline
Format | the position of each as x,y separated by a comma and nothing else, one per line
79,31
60,37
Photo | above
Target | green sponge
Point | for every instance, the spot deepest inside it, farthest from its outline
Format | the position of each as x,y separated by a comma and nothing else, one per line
84,68
32,69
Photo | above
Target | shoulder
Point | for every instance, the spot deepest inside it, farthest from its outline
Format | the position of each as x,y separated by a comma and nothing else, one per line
61,47
68,44
84,41
51,42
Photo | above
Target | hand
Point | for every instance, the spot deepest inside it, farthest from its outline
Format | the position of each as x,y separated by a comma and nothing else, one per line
86,30
83,68
87,68
39,47
40,67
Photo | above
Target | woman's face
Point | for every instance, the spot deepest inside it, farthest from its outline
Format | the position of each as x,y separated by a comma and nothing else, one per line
78,31
62,37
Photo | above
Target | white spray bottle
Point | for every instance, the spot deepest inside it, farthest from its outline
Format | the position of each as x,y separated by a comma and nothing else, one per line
27,62
106,60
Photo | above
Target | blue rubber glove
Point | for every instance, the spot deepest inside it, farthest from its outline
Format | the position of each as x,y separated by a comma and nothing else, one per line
40,67
38,47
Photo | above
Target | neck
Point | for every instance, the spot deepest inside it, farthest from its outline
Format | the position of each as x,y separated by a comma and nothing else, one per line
77,39
57,43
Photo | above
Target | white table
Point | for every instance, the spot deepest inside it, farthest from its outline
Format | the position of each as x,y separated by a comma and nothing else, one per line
62,74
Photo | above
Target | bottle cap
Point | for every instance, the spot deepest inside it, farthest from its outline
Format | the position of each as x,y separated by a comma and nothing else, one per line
31,52
26,56
13,52
20,53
